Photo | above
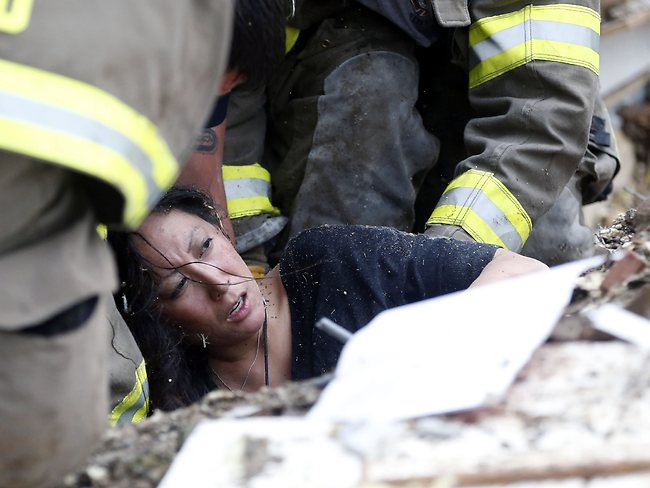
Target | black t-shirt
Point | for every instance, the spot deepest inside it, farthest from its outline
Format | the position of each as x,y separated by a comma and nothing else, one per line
350,274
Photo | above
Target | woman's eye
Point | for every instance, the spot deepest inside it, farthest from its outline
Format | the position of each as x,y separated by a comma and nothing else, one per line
206,245
180,286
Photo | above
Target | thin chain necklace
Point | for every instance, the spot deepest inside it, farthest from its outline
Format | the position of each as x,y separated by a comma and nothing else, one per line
261,330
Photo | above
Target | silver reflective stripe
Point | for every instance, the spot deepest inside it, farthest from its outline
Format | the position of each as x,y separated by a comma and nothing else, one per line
499,42
482,206
246,187
129,413
61,120
544,30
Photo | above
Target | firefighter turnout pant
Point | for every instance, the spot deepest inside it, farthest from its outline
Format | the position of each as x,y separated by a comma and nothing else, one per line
53,335
345,143
99,103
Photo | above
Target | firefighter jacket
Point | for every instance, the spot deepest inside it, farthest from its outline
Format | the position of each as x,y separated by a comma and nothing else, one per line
532,84
123,119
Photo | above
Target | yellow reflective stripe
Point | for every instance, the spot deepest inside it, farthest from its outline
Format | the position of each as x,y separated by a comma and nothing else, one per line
247,190
479,196
570,14
244,207
500,196
134,407
560,33
255,170
85,104
76,153
102,231
566,53
466,218
291,36
530,51
91,102
472,178
141,375
15,15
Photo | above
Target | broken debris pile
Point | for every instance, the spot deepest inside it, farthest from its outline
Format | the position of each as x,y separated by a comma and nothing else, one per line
623,279
577,413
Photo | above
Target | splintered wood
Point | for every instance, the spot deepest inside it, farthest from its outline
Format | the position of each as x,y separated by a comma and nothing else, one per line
576,417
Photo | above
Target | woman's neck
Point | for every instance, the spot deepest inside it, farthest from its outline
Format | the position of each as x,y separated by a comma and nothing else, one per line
240,369
277,305
245,369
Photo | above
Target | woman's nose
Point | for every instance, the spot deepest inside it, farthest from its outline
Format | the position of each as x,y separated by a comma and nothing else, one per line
213,279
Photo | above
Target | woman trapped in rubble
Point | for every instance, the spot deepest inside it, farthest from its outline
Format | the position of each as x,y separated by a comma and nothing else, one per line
203,322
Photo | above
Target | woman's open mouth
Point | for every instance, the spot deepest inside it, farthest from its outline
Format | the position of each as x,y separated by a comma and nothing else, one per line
239,310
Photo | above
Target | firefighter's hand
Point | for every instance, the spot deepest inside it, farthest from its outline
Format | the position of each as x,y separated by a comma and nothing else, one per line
453,231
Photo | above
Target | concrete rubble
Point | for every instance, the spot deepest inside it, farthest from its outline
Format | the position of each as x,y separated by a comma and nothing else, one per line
576,416
575,413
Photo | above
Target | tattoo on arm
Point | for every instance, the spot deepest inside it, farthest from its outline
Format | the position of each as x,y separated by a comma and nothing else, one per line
207,141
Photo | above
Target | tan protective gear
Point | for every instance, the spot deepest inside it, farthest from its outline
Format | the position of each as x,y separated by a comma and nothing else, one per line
99,102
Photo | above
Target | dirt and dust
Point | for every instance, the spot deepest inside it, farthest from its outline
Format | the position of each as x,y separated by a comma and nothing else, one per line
138,456
626,273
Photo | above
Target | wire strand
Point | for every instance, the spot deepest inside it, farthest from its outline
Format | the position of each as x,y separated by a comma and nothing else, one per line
266,348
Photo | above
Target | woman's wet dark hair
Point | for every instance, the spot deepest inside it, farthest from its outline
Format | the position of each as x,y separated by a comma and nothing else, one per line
177,368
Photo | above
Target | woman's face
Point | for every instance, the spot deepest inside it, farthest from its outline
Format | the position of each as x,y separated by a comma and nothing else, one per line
205,286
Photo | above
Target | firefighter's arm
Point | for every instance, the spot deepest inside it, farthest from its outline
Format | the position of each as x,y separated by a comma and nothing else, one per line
532,100
506,264
203,170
